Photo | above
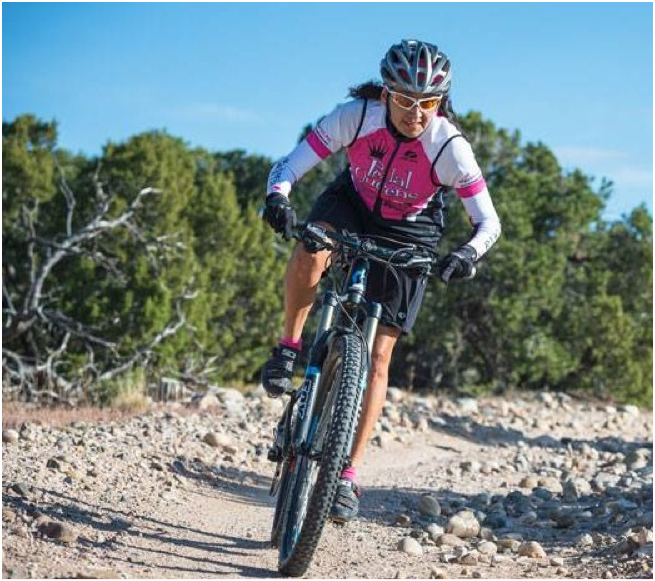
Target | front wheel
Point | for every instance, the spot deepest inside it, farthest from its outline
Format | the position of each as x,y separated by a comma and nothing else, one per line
311,491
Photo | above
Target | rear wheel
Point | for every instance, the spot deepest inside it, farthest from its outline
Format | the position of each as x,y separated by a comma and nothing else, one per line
313,486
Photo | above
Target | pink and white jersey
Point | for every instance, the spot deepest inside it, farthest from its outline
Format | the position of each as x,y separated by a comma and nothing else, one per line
395,177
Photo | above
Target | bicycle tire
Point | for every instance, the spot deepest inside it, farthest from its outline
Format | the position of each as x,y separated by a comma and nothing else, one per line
347,367
282,497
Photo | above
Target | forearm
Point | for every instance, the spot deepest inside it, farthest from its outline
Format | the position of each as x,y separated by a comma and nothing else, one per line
485,220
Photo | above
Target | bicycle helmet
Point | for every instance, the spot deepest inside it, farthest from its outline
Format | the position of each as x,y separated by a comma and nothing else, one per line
416,67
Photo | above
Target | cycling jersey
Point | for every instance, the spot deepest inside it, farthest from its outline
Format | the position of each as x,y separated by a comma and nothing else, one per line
396,177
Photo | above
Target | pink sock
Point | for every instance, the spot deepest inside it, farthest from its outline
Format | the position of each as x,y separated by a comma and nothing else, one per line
289,342
349,473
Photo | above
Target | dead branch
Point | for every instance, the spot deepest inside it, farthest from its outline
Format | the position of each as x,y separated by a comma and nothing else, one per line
41,334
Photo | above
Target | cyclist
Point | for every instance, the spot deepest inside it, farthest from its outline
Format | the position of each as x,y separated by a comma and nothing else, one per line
404,148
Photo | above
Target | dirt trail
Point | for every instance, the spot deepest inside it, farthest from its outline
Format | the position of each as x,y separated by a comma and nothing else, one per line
156,501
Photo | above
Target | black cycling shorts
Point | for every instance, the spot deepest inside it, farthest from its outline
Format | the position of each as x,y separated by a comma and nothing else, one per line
341,207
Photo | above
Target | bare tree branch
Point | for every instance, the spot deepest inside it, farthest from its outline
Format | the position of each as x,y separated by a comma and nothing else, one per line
38,368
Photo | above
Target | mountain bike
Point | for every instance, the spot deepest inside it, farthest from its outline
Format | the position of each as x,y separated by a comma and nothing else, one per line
314,436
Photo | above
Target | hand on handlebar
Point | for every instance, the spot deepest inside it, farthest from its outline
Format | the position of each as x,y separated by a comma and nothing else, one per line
280,215
459,264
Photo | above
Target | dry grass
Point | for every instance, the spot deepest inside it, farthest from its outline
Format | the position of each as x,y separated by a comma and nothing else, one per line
14,414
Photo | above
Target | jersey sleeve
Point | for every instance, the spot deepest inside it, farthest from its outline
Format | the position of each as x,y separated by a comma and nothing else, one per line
334,131
458,168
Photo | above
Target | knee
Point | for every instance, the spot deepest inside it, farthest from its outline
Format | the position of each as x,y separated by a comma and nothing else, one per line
380,360
307,262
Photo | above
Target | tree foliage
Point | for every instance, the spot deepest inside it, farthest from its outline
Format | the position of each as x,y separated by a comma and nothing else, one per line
563,301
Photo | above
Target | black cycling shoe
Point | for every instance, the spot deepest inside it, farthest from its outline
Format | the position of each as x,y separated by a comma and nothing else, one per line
346,502
278,370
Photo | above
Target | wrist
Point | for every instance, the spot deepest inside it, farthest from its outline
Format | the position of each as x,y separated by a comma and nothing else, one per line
468,253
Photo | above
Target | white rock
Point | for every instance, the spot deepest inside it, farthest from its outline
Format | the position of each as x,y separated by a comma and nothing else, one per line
464,525
217,440
395,395
533,550
585,540
9,436
487,548
410,546
467,405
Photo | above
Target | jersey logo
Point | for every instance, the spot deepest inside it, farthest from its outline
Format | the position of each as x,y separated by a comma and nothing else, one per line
410,156
377,150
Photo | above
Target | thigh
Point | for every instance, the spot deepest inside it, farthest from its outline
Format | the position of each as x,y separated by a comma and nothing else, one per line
400,296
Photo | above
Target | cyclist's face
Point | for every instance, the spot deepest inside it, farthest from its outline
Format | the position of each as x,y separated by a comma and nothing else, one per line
409,122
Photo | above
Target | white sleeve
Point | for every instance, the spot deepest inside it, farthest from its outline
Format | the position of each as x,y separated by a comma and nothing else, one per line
484,218
334,131
458,168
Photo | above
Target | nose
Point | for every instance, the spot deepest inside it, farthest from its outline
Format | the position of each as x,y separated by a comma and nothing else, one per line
415,112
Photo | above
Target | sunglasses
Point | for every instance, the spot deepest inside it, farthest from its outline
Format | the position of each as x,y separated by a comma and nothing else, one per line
406,102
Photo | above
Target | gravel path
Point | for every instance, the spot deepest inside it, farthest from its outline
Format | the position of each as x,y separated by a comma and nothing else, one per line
545,487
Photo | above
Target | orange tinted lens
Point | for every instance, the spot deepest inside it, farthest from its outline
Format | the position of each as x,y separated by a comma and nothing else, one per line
430,103
403,101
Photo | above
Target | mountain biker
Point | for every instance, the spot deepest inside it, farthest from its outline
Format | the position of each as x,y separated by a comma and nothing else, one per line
404,149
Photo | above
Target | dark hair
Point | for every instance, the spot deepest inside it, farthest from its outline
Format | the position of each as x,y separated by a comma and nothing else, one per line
446,109
368,90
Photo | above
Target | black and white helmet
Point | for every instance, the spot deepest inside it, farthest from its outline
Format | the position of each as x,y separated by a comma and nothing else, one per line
416,67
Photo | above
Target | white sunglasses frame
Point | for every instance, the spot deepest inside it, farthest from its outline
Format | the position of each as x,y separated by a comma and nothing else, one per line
416,102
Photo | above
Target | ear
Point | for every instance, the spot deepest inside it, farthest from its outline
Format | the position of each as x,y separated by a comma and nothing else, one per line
384,95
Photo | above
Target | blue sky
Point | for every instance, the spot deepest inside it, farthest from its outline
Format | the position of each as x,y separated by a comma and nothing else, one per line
576,76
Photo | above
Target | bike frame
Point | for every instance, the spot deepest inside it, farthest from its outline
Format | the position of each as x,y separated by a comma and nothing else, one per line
352,299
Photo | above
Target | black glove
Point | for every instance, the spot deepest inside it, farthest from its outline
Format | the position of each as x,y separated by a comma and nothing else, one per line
459,264
280,215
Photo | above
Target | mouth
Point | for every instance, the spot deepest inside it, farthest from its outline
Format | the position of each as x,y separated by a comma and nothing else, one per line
413,125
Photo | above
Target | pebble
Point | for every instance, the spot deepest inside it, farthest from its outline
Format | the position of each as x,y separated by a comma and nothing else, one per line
59,531
410,546
585,540
487,548
529,482
434,531
395,395
533,550
216,440
450,540
464,525
551,484
10,436
403,520
429,506
22,489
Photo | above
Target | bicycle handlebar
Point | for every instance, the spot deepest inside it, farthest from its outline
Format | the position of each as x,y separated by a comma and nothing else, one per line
409,256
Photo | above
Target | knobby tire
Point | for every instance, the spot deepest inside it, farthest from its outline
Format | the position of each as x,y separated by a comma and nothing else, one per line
346,378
